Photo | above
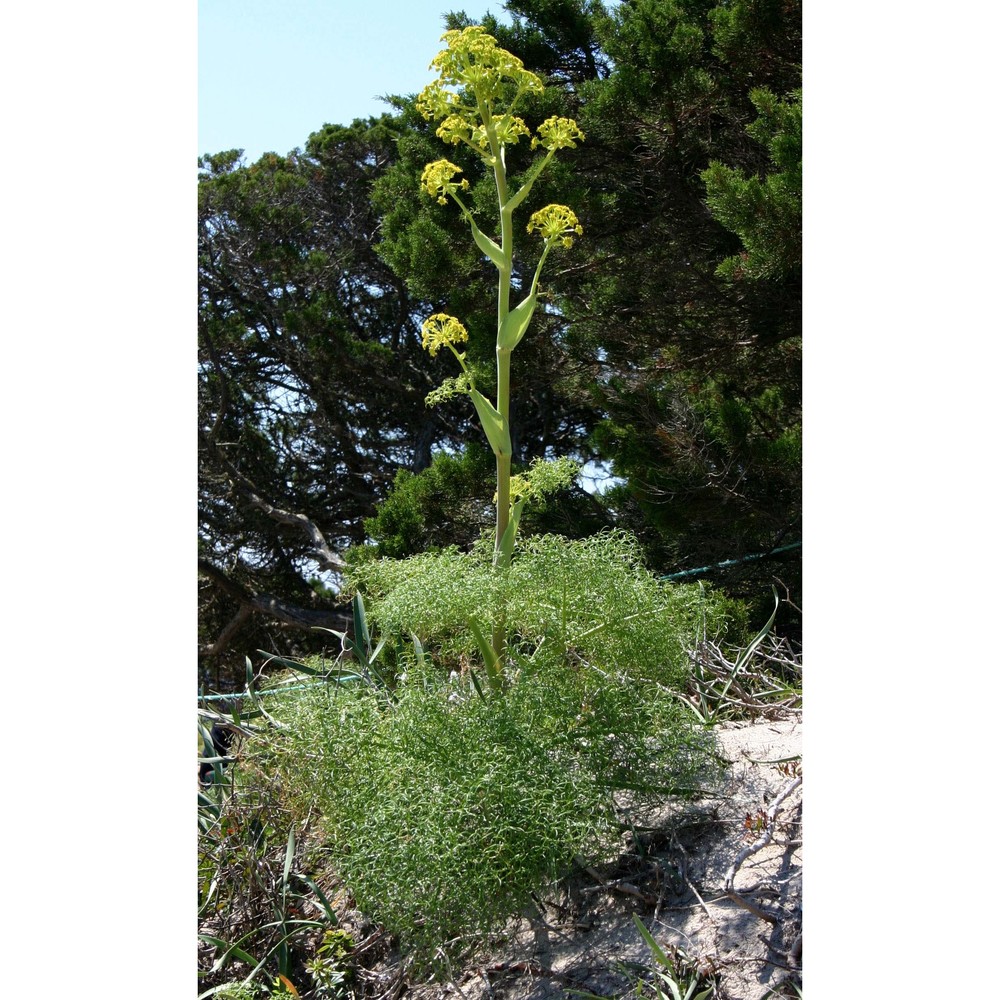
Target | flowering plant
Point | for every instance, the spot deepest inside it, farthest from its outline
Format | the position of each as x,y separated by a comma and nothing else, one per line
471,98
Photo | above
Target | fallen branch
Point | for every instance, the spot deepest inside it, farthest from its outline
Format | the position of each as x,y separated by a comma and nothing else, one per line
747,905
765,837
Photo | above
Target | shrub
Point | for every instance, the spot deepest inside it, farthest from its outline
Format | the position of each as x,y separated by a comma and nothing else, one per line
447,503
450,504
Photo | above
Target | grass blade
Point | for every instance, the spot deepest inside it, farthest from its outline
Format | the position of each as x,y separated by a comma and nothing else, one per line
658,952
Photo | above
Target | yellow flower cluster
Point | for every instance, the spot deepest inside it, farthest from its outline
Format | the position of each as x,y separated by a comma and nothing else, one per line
438,180
508,128
473,71
474,60
557,133
454,129
442,330
435,101
519,487
556,222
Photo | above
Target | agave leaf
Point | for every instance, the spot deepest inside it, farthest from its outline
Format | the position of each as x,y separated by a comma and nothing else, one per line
658,952
228,951
340,635
304,668
206,736
418,648
289,854
476,684
280,660
376,651
489,656
361,636
744,657
762,634
327,908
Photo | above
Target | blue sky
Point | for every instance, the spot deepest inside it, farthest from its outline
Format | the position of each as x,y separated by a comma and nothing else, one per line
272,71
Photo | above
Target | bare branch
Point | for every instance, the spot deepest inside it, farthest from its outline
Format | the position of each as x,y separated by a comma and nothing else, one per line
321,552
224,638
765,837
267,604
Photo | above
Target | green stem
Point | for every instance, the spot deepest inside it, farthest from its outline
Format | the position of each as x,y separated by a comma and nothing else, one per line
503,359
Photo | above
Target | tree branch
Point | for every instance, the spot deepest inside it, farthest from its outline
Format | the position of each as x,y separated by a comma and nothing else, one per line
305,619
225,637
322,553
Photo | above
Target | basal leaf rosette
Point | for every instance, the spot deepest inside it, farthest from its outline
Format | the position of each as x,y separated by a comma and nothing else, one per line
556,224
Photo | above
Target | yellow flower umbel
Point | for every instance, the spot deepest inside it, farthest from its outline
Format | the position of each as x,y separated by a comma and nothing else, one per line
437,180
442,330
472,61
556,222
557,133
473,74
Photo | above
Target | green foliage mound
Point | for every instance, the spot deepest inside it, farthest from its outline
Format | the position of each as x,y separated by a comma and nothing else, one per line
589,599
444,809
445,803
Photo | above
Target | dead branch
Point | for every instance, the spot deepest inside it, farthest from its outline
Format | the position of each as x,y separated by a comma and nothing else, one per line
765,837
225,637
752,907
